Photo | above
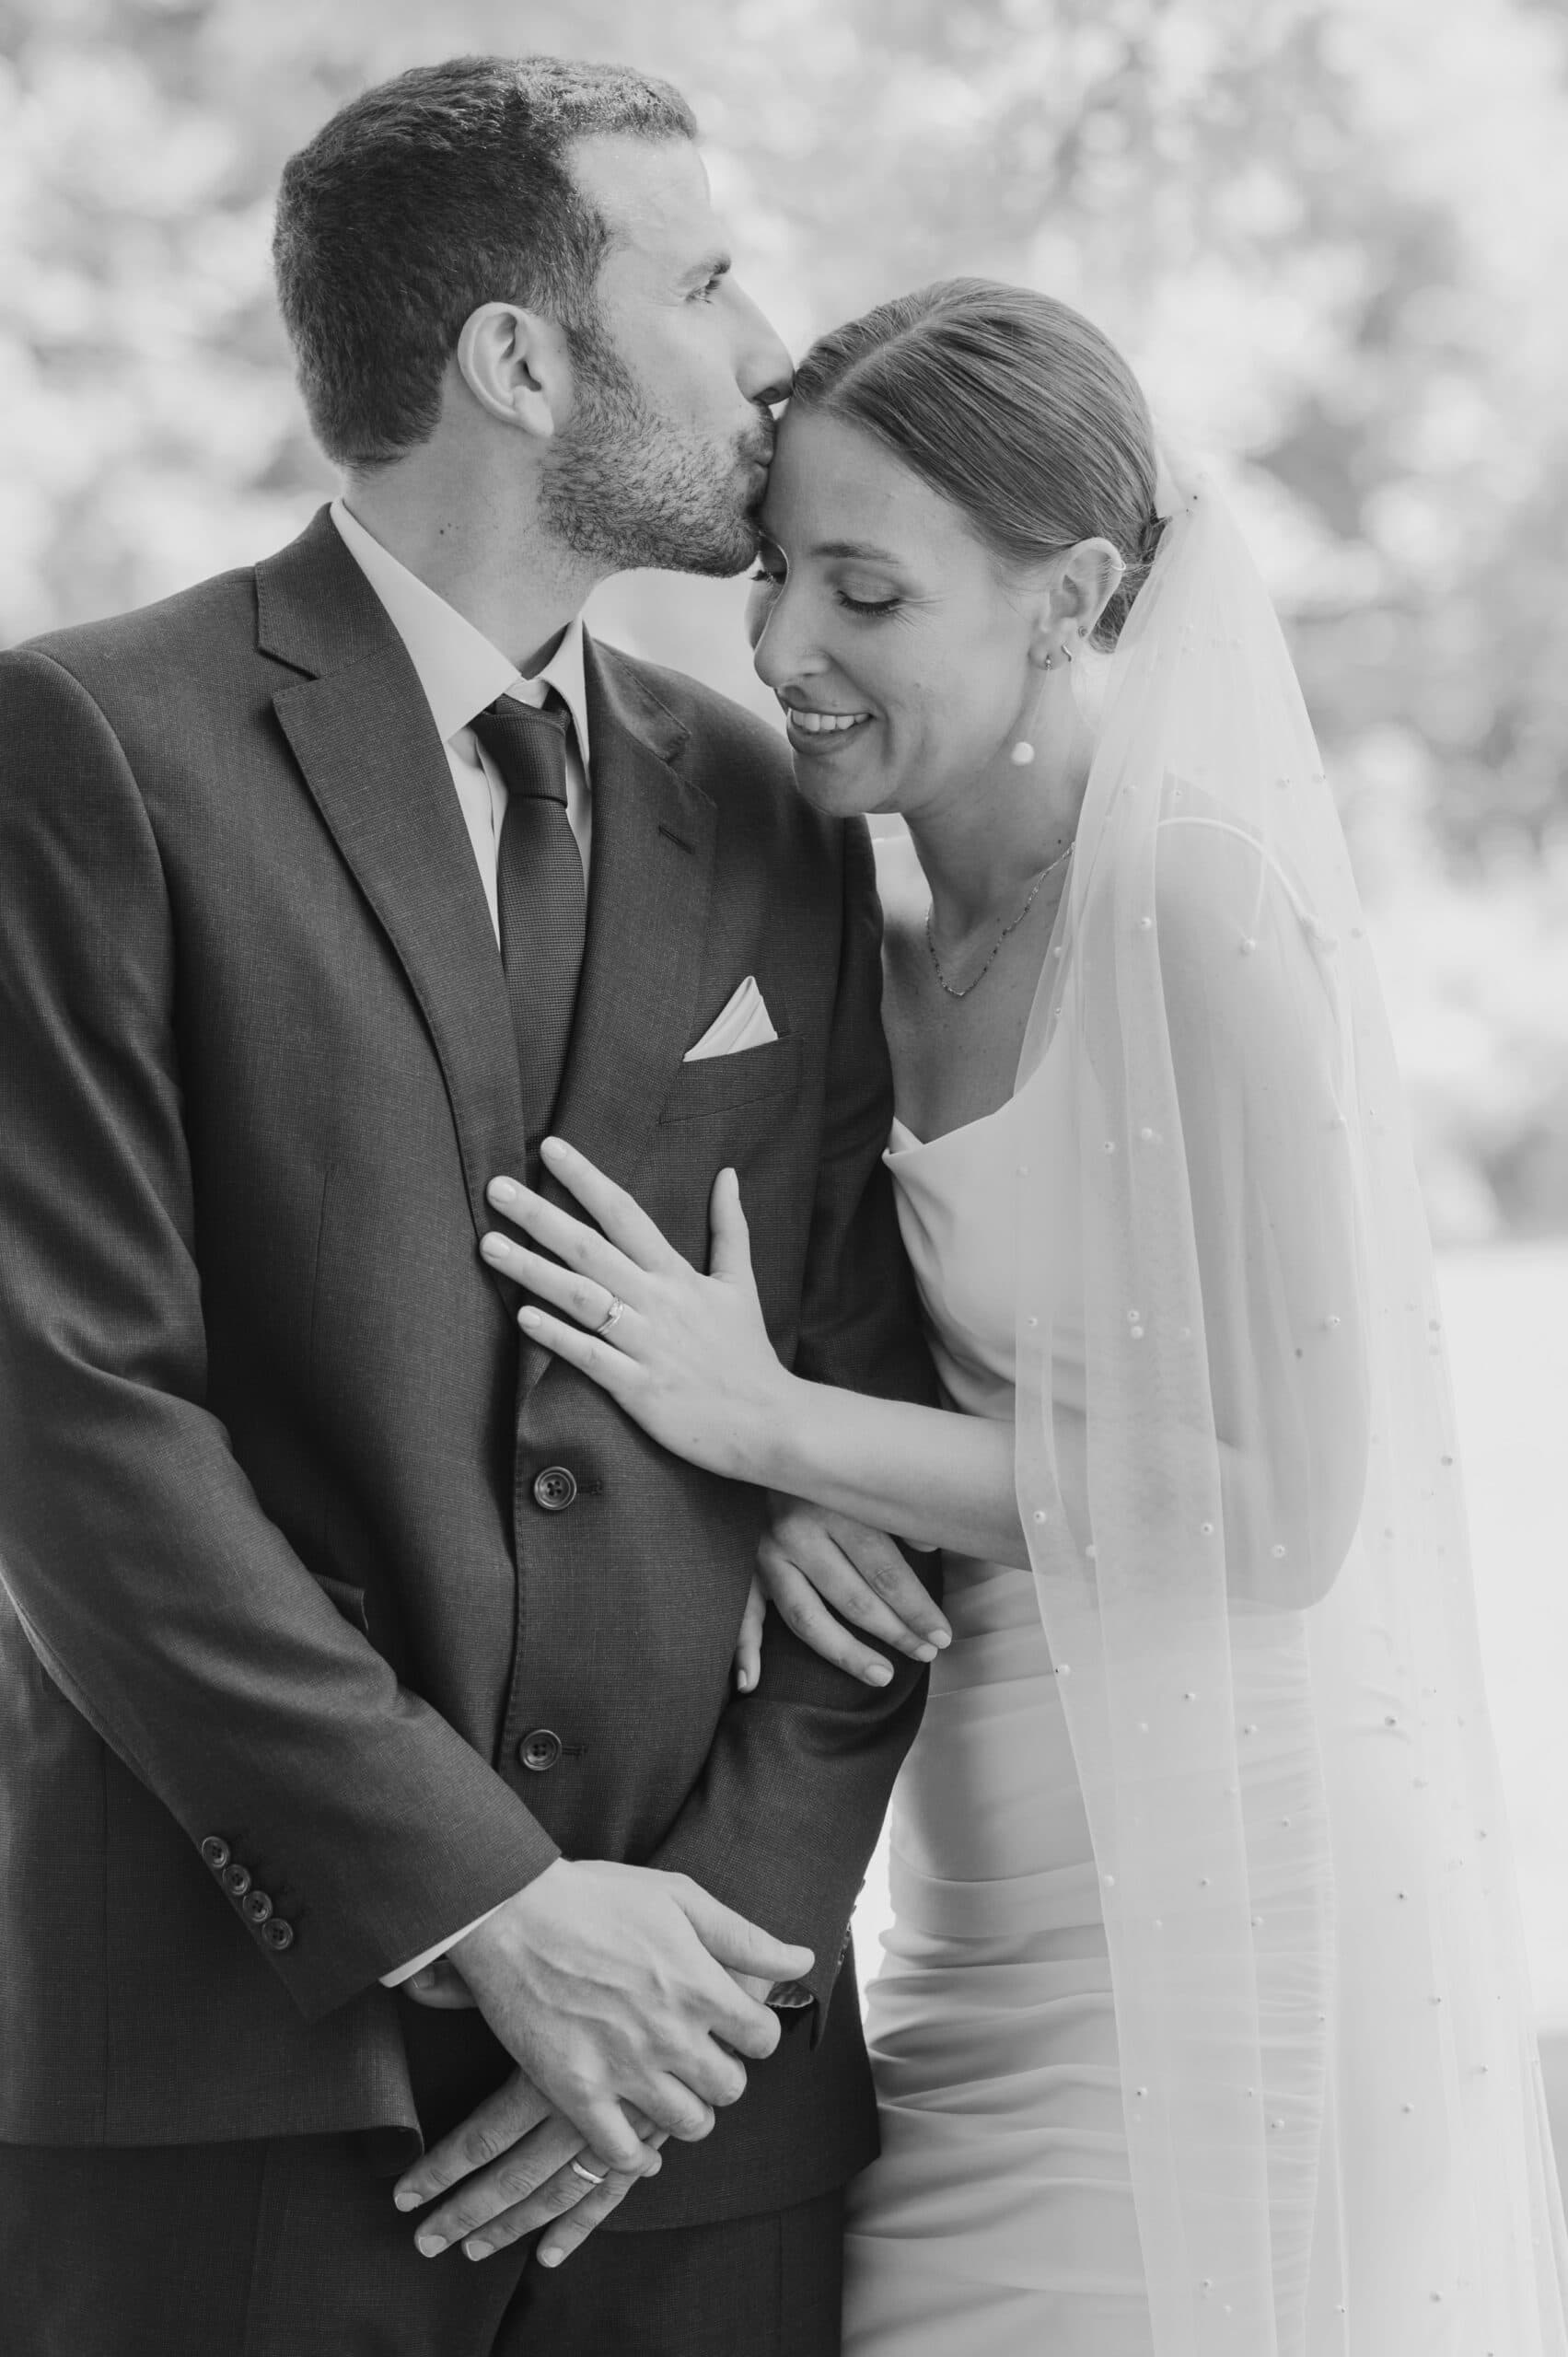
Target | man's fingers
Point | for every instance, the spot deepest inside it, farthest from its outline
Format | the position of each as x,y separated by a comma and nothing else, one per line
441,1988
608,2133
489,2131
493,2191
740,1945
713,2075
570,2188
669,2102
576,2224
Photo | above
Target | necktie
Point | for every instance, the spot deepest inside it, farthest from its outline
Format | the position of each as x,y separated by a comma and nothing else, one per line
541,896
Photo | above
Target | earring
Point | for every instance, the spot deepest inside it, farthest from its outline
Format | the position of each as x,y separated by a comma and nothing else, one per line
1023,752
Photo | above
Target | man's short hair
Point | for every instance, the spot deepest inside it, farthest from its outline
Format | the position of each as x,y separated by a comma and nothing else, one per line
425,197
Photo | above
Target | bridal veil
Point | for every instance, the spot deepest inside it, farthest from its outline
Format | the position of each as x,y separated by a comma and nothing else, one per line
1248,1532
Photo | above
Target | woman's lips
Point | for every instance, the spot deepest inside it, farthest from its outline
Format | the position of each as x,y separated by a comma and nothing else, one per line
824,732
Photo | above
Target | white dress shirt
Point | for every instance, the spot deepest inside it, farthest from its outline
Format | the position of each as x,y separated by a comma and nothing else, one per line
461,672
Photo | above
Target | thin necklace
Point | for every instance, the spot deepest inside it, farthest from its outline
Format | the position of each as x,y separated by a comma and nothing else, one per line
996,946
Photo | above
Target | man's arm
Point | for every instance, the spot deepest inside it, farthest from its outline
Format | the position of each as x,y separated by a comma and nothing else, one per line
793,1795
154,1590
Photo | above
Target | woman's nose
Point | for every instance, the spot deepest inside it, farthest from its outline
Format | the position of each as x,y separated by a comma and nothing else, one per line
781,651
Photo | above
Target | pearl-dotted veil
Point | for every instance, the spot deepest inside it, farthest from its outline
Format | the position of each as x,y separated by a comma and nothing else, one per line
1237,1474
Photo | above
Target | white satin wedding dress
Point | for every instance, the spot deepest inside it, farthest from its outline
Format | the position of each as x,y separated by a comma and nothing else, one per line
999,2221
1204,2028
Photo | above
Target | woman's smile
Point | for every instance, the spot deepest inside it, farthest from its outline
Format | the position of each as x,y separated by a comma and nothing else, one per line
818,729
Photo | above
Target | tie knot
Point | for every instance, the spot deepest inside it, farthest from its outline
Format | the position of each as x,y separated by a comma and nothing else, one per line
527,745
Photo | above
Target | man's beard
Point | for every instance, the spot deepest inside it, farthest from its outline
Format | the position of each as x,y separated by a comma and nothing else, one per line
627,488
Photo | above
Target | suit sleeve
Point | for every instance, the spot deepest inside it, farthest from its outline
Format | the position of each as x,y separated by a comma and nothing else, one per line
154,1591
797,1785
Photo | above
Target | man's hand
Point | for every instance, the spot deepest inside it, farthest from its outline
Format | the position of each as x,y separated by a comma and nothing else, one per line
612,1985
517,2166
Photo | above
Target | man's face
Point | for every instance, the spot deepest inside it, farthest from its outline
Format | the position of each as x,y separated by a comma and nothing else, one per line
662,459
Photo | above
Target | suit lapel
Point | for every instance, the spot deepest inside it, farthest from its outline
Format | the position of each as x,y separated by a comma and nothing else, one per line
362,732
652,870
653,857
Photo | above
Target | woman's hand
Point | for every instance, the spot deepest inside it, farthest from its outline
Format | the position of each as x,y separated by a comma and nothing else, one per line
810,1559
686,1355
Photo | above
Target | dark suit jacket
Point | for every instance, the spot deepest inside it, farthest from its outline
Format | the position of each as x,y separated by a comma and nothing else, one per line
280,1574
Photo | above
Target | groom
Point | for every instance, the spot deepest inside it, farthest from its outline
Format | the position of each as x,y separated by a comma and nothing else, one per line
339,1631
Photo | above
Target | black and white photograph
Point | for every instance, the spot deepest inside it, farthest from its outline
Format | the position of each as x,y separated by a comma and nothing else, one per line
784,1179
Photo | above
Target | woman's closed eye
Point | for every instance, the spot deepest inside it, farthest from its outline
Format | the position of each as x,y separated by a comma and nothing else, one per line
867,605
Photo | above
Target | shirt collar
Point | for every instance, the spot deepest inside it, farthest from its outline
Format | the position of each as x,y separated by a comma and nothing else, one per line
459,669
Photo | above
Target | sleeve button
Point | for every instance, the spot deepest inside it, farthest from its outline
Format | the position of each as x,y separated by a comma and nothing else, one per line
256,1906
278,1934
236,1879
216,1852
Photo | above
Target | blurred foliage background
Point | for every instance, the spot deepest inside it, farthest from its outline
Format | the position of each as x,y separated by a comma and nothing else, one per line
1331,234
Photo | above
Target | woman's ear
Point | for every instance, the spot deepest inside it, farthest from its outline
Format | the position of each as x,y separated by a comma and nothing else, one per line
515,365
1090,575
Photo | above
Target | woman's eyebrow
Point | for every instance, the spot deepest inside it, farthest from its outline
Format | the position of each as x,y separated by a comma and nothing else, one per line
854,549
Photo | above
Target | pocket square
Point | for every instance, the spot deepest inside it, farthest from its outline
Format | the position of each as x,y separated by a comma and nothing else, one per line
744,1022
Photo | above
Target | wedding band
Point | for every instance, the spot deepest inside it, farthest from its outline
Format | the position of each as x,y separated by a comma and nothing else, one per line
611,1314
587,2174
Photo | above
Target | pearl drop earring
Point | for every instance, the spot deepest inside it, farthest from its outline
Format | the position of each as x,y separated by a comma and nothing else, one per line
1023,752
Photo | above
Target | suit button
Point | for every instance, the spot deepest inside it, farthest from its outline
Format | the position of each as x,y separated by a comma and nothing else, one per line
554,1488
540,1750
236,1879
256,1906
277,1933
216,1852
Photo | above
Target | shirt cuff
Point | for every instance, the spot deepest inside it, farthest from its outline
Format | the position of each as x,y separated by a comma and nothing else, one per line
429,1956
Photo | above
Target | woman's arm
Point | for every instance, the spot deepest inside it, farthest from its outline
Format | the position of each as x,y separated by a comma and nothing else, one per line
689,1356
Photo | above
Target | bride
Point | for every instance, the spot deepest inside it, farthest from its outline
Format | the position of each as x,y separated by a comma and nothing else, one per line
1203,2030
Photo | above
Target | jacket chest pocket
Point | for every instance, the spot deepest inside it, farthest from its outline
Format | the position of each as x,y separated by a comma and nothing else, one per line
756,1078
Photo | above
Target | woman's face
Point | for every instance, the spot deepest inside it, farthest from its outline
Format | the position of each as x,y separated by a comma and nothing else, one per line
884,627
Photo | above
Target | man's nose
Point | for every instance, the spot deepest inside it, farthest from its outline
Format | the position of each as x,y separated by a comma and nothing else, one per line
764,370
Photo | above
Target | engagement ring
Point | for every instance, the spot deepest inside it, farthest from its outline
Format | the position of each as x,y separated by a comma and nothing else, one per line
578,2170
611,1314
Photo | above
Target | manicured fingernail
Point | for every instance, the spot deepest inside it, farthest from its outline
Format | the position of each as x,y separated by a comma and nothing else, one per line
408,2200
878,1674
429,2246
501,1191
529,1318
556,1148
425,1979
942,1637
925,1653
550,2258
493,1246
478,2251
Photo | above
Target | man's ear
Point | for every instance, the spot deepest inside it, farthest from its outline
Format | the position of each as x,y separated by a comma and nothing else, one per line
515,365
